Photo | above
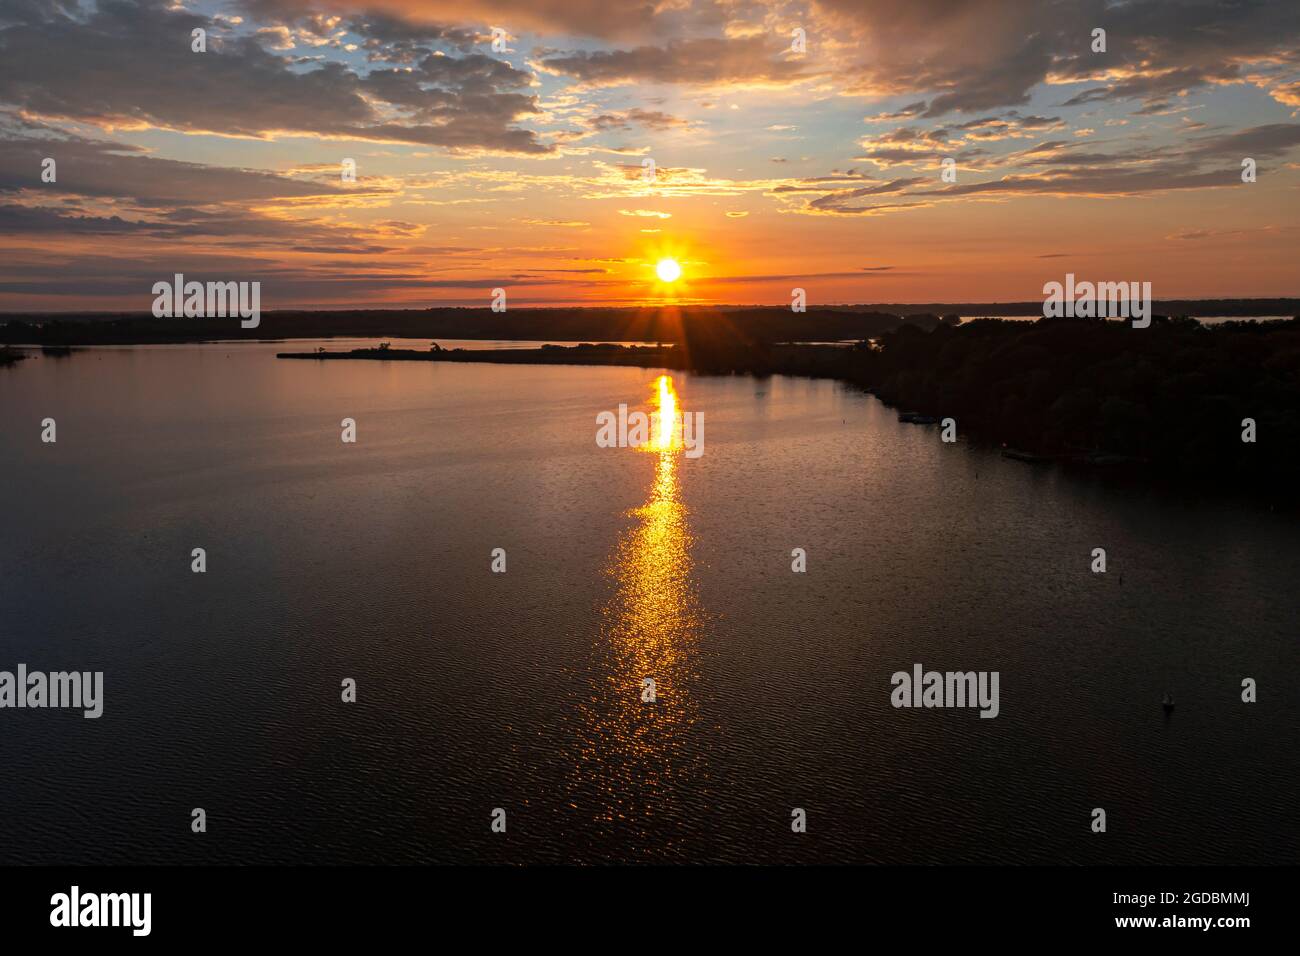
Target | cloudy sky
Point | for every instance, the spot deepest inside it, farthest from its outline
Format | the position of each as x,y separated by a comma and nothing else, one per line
522,164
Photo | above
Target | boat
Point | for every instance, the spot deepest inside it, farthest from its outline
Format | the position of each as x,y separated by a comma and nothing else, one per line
1168,702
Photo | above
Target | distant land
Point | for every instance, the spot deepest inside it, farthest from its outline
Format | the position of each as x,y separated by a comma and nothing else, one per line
1198,403
1175,397
646,324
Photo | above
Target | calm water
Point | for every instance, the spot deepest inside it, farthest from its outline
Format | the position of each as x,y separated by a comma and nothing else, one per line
522,690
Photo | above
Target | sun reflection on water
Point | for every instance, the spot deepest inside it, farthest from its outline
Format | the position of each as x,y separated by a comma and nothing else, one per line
667,433
634,750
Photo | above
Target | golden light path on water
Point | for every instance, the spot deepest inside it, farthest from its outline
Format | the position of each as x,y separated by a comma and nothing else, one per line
668,431
635,749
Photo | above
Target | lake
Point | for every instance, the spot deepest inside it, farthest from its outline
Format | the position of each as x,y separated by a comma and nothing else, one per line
523,690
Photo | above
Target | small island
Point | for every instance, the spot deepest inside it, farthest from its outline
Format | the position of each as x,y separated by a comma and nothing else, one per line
586,353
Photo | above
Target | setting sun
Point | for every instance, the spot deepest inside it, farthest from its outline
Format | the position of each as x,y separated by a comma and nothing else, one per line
668,270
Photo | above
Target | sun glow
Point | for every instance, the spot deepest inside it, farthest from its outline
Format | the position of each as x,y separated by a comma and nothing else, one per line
668,270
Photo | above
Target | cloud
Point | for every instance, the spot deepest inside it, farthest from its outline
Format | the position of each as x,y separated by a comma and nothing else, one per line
752,60
798,277
28,220
1273,139
240,88
565,223
594,18
395,39
1057,168
91,84
107,187
103,168
844,200
125,281
968,55
650,119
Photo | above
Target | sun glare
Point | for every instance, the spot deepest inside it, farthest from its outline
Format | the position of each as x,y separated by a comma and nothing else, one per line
668,270
667,412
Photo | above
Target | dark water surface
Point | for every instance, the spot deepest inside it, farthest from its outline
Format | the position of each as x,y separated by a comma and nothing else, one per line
523,690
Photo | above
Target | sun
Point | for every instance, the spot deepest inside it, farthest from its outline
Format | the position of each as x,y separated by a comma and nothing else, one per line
668,270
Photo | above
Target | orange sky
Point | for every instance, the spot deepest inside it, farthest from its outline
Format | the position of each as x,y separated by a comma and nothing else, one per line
520,164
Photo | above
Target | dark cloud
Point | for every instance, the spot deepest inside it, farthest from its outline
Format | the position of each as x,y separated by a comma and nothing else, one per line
1058,168
121,49
626,120
752,59
395,39
1271,140
1154,89
907,145
982,54
101,168
126,281
845,200
806,276
153,198
235,227
596,18
911,111
31,220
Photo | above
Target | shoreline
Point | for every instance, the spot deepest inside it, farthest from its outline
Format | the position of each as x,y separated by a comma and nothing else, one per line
1171,400
640,356
653,357
649,356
